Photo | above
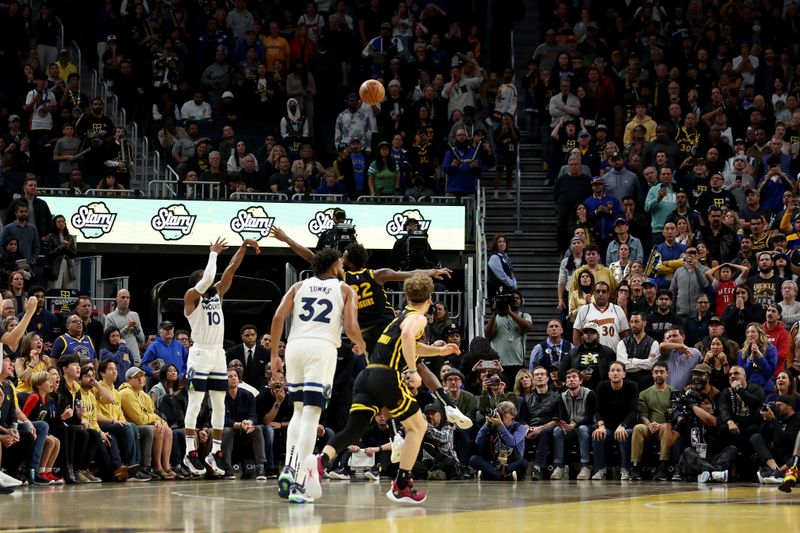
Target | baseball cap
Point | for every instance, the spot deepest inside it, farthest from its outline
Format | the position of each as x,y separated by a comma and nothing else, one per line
166,324
591,325
12,118
386,26
133,371
702,367
616,155
584,133
450,330
715,320
227,94
748,190
393,83
339,213
432,407
621,220
576,238
602,127
110,38
597,179
648,281
738,140
740,158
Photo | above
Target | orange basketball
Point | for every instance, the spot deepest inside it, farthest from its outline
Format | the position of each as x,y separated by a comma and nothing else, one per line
372,92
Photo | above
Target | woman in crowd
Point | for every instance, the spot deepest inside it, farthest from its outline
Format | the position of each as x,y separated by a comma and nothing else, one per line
439,322
581,296
60,251
168,383
621,269
500,271
171,400
758,358
109,185
9,323
235,161
785,385
42,405
624,297
16,290
8,261
30,361
684,231
581,220
115,349
384,176
720,362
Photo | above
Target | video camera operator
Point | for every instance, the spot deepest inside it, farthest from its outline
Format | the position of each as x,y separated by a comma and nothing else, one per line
506,331
705,452
330,238
412,251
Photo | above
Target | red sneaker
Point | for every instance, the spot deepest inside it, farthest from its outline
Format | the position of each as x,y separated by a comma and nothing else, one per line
52,477
408,495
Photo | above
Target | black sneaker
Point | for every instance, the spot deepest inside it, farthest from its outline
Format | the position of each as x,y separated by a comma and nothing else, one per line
39,480
635,474
6,490
229,474
140,477
194,464
662,474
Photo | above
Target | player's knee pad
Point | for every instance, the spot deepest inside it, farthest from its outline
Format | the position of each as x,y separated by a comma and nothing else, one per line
217,408
193,409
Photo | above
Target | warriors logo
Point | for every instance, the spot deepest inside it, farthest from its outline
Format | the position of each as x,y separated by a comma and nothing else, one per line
93,220
396,227
323,221
173,222
252,223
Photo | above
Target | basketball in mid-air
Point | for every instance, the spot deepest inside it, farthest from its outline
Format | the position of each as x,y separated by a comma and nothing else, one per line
372,92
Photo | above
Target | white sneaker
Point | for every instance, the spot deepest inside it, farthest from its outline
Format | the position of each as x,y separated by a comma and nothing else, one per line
584,474
8,481
478,475
720,476
313,467
624,475
703,477
600,475
397,445
298,494
458,418
372,475
340,474
558,473
514,476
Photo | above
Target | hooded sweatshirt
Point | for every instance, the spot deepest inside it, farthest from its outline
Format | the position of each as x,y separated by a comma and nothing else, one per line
173,353
137,406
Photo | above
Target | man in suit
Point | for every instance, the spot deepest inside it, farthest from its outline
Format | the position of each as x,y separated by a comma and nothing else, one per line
253,356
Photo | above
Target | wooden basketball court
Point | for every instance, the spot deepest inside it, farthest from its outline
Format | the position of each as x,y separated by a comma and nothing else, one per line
360,506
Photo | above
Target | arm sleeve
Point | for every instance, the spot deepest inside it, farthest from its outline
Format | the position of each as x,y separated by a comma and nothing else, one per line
208,274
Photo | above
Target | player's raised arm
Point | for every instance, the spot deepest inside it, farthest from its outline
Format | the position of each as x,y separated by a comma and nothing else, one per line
383,275
278,320
299,249
351,327
205,280
227,277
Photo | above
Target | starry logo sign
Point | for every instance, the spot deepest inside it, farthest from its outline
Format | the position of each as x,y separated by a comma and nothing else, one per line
173,222
323,221
93,220
396,226
252,223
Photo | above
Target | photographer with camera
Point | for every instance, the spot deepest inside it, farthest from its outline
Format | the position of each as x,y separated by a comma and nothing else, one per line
774,443
412,251
501,445
539,410
705,452
506,331
493,388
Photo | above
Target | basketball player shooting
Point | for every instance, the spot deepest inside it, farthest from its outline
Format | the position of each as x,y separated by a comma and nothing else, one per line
319,306
206,369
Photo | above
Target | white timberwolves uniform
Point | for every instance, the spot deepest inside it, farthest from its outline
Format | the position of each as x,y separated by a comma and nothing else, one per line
314,337
206,356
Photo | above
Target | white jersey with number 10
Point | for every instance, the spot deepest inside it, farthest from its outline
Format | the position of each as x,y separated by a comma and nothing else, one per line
317,314
207,322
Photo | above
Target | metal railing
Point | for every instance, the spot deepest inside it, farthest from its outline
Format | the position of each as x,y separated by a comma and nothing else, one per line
162,189
260,196
145,159
366,199
54,191
156,164
451,299
78,55
313,197
115,193
60,34
171,173
470,297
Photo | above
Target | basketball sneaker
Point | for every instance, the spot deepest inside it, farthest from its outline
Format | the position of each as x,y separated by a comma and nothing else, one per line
314,470
408,495
457,417
299,494
215,463
789,480
193,463
285,481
